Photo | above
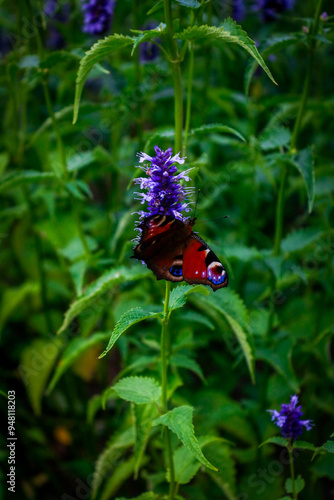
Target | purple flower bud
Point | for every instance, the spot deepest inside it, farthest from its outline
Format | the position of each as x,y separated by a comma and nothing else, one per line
270,9
165,195
289,419
97,15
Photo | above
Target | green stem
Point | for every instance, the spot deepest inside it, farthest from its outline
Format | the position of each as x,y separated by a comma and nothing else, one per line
189,92
60,145
296,129
279,213
292,471
175,61
164,386
138,80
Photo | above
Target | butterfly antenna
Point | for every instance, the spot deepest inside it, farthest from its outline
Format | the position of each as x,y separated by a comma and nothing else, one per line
217,218
196,203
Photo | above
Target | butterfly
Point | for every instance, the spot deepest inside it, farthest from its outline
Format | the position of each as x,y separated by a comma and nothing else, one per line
171,249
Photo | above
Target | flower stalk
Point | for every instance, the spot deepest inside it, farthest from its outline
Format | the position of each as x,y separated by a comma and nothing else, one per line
292,470
165,343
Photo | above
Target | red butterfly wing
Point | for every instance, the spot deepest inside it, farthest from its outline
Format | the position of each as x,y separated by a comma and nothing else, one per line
201,265
161,246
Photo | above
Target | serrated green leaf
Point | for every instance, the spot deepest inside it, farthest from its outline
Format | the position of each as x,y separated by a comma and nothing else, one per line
180,421
178,296
276,440
73,351
298,240
182,361
99,287
128,319
299,485
185,463
145,36
273,45
27,177
216,127
97,53
229,32
138,390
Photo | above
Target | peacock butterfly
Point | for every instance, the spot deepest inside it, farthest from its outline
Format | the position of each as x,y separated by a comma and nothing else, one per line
171,249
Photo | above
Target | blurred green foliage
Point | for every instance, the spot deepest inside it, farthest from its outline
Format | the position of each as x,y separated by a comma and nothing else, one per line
67,222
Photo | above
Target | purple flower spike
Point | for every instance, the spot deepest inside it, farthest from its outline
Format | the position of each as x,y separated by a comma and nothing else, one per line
164,195
270,9
238,10
97,15
289,419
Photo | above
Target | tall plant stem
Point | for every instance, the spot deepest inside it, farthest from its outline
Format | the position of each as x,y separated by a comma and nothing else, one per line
292,471
176,66
165,347
296,129
189,93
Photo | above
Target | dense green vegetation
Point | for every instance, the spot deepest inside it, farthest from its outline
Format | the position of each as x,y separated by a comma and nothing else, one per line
251,110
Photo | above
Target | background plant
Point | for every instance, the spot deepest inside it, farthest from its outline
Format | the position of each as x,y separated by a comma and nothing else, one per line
67,226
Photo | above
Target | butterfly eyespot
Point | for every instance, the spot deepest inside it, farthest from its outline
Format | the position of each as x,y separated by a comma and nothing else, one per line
176,270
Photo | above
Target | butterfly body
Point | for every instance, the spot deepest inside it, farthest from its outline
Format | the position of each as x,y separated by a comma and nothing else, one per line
171,249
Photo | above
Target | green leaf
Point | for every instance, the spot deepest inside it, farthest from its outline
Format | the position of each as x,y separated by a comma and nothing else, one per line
304,163
178,296
36,364
328,446
73,352
98,288
128,319
27,177
234,311
12,299
273,45
304,445
97,53
279,356
185,464
225,478
280,441
229,32
4,160
138,390
143,418
145,496
274,138
180,421
108,459
192,4
299,485
77,271
182,361
298,240
148,35
215,127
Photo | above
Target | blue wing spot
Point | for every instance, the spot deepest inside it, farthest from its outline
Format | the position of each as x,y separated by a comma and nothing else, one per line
217,279
176,271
